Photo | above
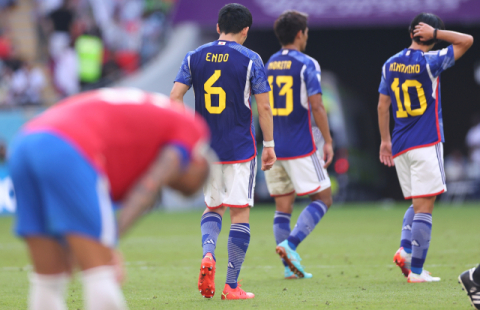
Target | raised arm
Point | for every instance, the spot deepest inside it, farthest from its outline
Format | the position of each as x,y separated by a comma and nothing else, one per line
321,119
461,42
265,118
178,91
384,103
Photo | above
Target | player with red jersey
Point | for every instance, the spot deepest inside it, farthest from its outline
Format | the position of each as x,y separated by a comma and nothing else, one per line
73,162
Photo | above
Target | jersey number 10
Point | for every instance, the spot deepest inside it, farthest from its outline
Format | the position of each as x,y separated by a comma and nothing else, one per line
286,91
401,113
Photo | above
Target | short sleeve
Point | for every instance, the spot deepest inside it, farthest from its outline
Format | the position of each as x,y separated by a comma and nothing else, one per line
188,134
312,78
383,88
258,77
184,74
440,61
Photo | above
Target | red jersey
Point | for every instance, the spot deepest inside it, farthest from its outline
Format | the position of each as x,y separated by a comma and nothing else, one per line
121,131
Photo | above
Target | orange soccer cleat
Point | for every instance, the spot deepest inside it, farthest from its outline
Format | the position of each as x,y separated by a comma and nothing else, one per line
206,279
235,293
403,260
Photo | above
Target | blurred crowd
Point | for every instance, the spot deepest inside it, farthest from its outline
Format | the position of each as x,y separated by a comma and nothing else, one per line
82,44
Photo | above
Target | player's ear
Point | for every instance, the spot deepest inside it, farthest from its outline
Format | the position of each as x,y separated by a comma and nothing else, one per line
245,31
299,34
218,29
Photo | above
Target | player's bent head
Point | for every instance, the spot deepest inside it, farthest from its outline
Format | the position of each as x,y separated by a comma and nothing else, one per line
429,19
193,178
233,18
288,25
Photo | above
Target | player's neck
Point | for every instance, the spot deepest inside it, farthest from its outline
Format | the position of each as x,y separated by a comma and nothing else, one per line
232,37
292,46
416,46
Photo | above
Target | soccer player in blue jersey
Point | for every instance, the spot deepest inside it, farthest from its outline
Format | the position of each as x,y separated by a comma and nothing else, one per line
224,74
294,79
411,85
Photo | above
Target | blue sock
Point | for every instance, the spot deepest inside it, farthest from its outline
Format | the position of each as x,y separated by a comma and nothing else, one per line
421,233
281,227
211,225
306,222
406,239
238,241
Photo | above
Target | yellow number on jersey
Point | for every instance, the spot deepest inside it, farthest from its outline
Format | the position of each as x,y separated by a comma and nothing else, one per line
286,91
210,90
401,113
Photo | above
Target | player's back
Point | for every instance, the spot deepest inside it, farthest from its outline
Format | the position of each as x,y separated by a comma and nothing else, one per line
293,77
223,75
120,131
412,80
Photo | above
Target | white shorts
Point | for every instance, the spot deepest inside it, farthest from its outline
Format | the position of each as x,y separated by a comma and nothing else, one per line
420,172
231,185
305,176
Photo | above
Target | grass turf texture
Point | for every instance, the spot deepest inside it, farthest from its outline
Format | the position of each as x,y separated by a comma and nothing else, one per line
349,253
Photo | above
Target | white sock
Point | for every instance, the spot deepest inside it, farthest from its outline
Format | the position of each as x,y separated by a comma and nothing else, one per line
101,290
47,292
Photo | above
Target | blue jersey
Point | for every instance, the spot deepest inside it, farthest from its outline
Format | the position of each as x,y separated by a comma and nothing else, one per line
412,80
224,74
293,77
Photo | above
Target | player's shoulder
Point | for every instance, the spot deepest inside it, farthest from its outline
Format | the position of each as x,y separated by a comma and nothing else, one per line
245,51
201,47
305,59
431,55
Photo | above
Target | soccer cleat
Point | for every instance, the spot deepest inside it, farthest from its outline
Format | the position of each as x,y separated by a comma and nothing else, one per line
235,293
471,287
289,274
420,278
292,258
403,260
206,279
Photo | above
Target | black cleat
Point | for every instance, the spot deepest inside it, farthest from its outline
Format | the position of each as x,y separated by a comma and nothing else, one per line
471,287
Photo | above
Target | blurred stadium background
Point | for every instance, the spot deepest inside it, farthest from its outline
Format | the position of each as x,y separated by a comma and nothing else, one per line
50,49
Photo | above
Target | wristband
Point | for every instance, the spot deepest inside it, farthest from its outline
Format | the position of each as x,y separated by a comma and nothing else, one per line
268,143
435,34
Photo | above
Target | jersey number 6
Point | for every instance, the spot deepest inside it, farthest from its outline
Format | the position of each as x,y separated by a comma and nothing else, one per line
401,113
210,90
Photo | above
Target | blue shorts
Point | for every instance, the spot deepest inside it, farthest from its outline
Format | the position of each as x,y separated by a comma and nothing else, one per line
58,191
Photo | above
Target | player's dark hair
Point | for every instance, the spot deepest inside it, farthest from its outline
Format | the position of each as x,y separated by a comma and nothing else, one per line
233,18
429,19
288,25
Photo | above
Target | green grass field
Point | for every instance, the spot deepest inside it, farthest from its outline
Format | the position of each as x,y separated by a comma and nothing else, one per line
349,253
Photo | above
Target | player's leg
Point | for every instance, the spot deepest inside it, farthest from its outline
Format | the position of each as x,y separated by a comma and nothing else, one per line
49,278
281,188
421,235
101,289
281,225
211,225
310,217
309,177
470,281
402,258
239,185
79,208
428,180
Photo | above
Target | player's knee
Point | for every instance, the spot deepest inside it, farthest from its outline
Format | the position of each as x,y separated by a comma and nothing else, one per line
327,201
